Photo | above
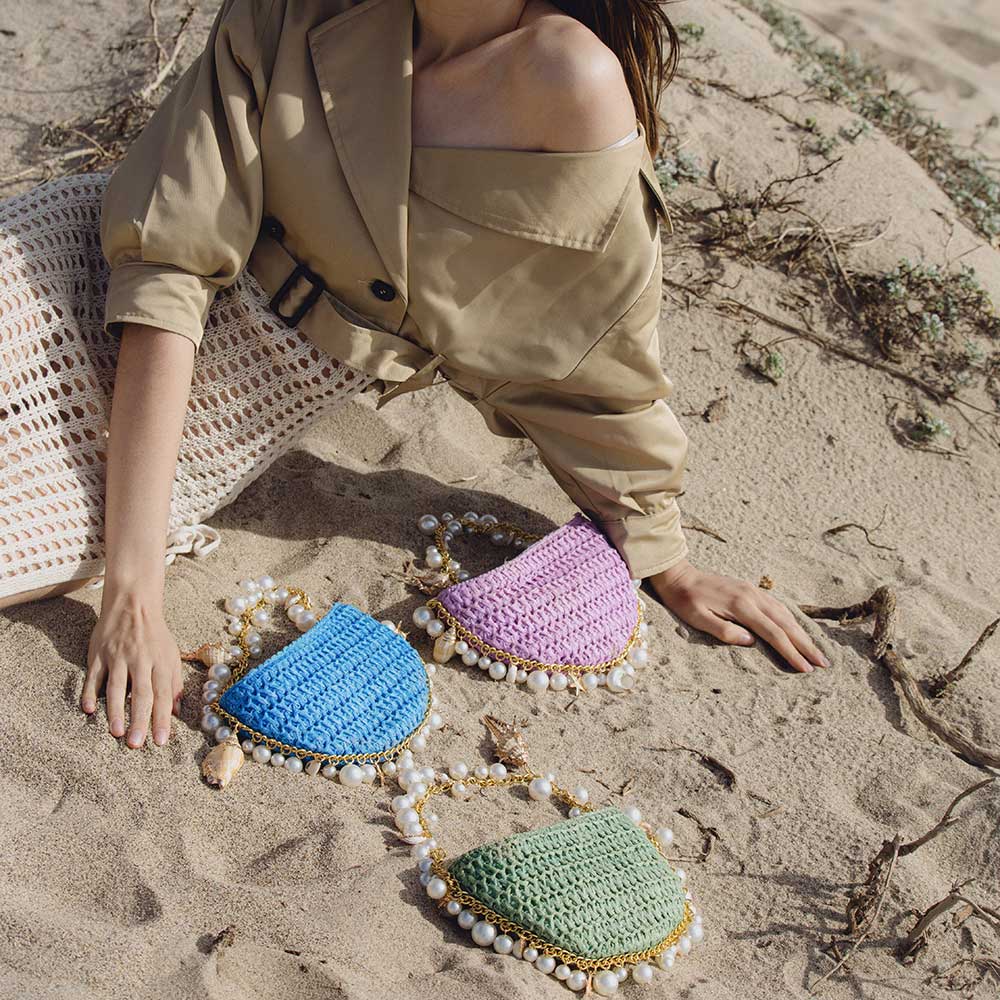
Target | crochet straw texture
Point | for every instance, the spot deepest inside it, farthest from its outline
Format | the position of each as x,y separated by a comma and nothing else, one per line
567,598
350,685
594,885
256,388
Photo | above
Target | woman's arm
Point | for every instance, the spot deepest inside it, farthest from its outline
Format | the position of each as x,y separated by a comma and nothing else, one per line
131,644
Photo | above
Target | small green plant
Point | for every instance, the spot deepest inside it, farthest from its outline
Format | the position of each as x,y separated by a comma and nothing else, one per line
690,32
927,427
671,171
967,176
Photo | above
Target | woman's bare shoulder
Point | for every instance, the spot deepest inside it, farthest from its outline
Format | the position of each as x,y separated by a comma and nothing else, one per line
573,84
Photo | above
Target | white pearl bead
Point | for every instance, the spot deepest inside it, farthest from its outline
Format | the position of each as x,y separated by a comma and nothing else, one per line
293,764
423,616
453,907
615,680
437,888
681,874
435,721
351,775
633,813
484,663
522,675
424,865
563,972
460,790
406,816
638,657
428,524
581,794
530,954
260,617
643,973
482,772
470,657
589,682
389,768
418,789
622,973
539,789
605,983
222,734
277,760
295,612
498,772
575,811
247,746
643,628
577,981
433,557
467,920
412,831
685,943
483,933
265,582
458,770
558,682
538,681
248,586
261,753
220,672
546,964
665,836
497,671
665,960
329,772
462,647
370,771
419,851
236,604
280,595
435,628
306,621
419,743
697,932
425,879
503,945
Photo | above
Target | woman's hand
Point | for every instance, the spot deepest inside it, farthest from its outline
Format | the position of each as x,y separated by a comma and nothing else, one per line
715,604
132,646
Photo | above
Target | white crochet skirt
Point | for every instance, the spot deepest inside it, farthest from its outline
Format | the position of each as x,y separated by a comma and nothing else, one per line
257,386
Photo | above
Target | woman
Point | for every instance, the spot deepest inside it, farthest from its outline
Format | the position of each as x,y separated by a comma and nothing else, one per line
338,196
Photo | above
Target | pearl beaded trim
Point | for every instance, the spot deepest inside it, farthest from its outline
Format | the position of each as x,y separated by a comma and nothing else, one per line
452,638
251,609
491,929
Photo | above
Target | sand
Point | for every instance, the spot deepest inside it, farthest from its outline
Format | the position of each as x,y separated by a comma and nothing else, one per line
121,868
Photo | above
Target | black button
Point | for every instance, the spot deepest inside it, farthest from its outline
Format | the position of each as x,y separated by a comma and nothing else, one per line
382,290
272,227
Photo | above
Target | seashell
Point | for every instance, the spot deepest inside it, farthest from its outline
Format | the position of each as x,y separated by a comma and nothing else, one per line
210,653
222,762
410,840
444,645
509,741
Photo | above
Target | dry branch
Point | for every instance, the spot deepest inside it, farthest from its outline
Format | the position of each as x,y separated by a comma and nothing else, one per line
882,604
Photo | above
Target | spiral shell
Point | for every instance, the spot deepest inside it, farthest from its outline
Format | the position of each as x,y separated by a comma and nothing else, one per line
210,653
222,762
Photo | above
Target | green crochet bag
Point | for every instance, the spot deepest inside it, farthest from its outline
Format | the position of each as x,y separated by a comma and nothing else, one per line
587,899
594,885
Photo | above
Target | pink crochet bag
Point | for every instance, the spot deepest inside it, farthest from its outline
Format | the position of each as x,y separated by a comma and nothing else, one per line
563,611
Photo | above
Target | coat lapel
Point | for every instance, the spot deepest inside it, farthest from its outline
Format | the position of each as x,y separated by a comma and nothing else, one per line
363,60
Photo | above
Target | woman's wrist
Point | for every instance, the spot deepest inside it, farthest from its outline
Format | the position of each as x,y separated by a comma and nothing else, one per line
142,585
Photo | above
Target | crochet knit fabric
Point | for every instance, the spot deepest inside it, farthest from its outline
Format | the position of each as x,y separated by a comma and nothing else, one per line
350,685
257,385
568,598
593,885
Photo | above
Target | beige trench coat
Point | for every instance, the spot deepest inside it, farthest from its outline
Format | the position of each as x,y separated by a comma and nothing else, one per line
531,281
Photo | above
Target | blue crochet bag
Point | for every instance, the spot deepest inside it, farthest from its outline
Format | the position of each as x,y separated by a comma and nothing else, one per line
346,699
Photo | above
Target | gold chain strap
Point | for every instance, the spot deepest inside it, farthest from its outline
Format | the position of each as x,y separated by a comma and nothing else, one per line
441,538
459,895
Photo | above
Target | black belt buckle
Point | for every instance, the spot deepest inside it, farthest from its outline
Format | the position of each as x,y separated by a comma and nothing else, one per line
318,287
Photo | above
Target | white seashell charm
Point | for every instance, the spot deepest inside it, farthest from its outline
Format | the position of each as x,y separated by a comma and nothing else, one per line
444,646
222,762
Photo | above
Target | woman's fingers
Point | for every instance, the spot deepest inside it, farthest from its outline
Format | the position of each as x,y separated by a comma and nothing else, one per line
115,697
769,630
96,674
721,628
163,700
800,638
142,706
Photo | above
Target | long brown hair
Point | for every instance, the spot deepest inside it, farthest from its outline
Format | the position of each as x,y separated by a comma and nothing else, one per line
634,30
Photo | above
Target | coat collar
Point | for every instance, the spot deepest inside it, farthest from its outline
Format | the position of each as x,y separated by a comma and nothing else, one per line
363,58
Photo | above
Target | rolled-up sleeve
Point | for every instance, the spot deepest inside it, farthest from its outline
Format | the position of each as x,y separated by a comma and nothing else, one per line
609,438
181,212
